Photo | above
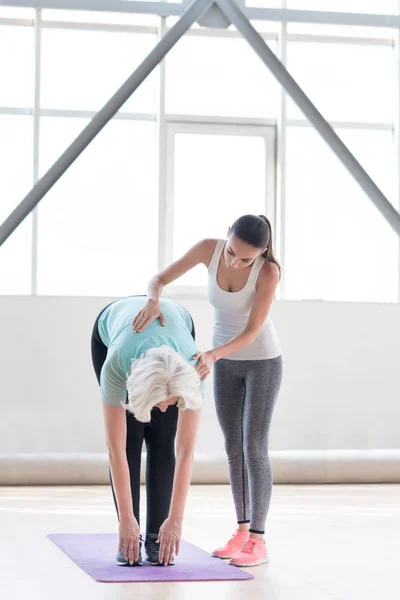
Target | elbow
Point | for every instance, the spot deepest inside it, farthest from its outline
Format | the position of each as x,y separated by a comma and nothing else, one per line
251,335
116,453
185,454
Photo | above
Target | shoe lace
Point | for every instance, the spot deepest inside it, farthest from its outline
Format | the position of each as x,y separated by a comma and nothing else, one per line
151,543
249,546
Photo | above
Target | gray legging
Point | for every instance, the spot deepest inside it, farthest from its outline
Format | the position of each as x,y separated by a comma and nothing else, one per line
245,393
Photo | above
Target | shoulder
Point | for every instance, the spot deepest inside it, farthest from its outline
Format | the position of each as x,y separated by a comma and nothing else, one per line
205,250
269,275
176,311
208,245
115,359
201,252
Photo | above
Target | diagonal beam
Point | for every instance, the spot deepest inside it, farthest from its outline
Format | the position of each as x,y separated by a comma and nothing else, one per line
194,12
237,18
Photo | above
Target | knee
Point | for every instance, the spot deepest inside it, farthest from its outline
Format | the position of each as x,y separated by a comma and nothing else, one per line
256,455
234,450
161,444
164,444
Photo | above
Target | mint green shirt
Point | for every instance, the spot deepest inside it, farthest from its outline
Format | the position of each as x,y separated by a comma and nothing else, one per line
115,330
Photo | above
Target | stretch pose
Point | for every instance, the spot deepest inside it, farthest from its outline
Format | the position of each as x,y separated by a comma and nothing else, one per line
158,401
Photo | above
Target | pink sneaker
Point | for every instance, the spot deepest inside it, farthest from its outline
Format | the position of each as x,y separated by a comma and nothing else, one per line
233,546
253,553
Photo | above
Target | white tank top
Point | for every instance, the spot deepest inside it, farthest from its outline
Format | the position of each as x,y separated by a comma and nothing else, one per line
232,310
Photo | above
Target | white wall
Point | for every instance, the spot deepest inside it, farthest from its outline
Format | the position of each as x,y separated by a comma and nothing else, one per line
341,387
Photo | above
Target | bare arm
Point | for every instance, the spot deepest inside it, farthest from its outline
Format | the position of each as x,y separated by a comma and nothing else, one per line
185,442
115,427
170,531
201,253
268,280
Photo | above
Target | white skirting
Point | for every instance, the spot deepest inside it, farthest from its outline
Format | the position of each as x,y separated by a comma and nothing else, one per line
289,467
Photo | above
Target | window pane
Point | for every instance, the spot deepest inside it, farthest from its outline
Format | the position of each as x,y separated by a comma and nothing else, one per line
207,200
382,7
98,225
265,27
345,82
16,180
81,70
16,66
16,13
211,76
338,246
264,3
357,31
95,16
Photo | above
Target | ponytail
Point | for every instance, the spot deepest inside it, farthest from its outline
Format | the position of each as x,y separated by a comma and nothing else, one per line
269,252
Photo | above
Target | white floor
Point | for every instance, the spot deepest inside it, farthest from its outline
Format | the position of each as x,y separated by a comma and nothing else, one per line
325,542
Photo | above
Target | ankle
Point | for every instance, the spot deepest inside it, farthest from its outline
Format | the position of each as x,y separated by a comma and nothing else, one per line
243,527
256,536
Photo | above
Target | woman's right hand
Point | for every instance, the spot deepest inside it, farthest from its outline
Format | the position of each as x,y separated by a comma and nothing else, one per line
129,539
147,315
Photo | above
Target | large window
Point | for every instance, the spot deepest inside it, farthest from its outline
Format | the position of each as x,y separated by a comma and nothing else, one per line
338,246
16,148
346,82
188,153
220,77
97,226
16,66
81,70
215,174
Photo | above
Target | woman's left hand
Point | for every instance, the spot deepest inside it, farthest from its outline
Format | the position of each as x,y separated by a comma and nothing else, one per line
204,363
169,538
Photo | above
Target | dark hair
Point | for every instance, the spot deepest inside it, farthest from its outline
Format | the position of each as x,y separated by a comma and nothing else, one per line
256,231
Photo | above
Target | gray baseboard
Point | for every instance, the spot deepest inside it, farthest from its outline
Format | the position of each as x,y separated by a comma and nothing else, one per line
289,467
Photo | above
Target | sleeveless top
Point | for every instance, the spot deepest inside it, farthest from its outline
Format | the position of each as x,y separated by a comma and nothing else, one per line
232,310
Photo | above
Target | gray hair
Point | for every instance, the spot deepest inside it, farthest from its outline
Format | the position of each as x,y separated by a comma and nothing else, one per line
158,375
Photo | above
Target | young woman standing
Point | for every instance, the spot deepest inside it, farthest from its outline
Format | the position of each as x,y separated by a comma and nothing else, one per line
242,278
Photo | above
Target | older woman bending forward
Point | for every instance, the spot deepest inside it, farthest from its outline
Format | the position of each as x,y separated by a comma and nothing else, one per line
151,392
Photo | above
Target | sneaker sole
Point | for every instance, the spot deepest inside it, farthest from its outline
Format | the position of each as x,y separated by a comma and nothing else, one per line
158,564
254,564
222,557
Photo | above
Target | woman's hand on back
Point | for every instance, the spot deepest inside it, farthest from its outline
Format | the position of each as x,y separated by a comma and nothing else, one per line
147,315
201,253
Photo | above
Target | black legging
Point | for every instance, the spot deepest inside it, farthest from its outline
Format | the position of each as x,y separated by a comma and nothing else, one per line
159,436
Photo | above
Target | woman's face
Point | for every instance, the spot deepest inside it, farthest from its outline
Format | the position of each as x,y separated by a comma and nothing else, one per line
238,254
165,403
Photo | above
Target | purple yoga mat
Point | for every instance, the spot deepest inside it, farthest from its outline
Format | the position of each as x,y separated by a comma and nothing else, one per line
95,554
